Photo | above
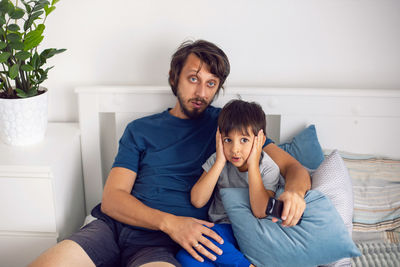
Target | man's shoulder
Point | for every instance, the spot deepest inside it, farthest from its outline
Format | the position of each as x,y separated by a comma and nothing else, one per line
147,119
213,110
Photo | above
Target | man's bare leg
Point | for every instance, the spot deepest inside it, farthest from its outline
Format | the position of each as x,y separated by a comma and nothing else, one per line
66,253
158,264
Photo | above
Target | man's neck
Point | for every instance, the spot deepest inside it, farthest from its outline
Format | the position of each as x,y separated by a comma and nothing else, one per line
177,112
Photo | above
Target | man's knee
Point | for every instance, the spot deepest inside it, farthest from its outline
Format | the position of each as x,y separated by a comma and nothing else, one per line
158,264
65,253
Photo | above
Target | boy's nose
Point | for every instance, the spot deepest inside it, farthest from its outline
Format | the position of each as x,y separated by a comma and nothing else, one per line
235,148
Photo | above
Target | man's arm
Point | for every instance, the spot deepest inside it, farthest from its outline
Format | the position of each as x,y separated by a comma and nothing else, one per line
297,183
119,204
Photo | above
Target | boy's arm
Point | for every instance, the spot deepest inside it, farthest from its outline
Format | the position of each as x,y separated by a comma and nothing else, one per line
202,190
119,204
259,196
297,183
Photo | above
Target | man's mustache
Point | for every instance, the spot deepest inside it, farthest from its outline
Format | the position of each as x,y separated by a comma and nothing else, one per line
198,99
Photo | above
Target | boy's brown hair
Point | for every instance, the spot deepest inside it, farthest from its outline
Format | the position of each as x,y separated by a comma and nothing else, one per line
238,115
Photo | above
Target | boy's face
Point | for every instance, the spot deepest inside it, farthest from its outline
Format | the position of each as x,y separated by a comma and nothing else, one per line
196,88
237,147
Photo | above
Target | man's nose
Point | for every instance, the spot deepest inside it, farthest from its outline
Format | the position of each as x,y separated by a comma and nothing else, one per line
201,90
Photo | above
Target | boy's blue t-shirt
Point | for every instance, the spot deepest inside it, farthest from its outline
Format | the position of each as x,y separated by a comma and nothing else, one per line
167,154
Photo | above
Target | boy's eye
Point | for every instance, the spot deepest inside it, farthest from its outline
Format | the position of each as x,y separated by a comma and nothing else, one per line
227,140
244,140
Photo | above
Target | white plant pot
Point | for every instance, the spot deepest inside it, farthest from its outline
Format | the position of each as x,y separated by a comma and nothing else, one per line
23,121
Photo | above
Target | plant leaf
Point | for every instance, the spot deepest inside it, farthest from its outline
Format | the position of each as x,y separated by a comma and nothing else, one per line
48,53
23,55
40,28
27,6
33,38
4,56
16,45
17,13
13,37
4,6
43,2
27,68
54,2
13,73
3,45
13,27
21,93
2,20
34,16
48,10
39,6
32,92
35,60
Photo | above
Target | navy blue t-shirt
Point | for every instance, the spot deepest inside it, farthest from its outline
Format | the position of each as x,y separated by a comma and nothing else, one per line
167,153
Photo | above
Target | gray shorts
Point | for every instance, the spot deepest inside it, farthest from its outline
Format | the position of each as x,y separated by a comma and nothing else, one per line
99,239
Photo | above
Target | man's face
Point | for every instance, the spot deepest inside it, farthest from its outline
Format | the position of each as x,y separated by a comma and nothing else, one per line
196,88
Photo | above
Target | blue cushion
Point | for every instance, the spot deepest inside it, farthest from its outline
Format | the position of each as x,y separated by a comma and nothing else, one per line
305,148
320,238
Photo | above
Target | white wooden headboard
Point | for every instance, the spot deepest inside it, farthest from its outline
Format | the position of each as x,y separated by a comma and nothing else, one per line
352,120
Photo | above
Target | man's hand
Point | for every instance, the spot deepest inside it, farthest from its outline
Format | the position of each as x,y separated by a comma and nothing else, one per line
191,234
255,154
293,208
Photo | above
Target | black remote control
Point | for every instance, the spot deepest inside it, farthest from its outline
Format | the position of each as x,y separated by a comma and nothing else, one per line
274,208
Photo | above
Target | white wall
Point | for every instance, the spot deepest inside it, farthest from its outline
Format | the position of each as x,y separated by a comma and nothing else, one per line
309,43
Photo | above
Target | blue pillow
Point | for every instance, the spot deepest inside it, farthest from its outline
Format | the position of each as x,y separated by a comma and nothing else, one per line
305,148
320,238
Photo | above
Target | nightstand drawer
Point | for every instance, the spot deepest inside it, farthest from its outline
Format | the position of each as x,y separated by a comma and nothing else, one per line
18,249
28,203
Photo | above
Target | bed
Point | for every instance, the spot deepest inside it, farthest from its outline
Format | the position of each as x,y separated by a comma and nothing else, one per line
363,125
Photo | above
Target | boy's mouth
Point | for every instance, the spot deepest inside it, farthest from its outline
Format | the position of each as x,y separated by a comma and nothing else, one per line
235,159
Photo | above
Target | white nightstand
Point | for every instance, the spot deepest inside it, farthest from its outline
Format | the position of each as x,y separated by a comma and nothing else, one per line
41,194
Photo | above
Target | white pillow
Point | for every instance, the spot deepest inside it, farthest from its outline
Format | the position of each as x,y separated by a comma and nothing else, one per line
332,179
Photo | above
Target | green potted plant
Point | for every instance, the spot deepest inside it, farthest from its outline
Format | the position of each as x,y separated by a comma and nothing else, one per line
23,102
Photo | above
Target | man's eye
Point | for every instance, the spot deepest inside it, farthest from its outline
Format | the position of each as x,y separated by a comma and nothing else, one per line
193,79
211,84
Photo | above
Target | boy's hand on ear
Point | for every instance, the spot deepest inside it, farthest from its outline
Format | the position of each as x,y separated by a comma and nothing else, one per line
219,147
255,154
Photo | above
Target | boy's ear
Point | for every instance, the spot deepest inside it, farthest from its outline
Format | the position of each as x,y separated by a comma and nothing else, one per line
264,136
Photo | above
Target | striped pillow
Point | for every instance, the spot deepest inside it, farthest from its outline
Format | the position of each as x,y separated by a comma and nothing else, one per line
376,191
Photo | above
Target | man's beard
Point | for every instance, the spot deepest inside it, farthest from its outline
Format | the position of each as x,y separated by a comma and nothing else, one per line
195,113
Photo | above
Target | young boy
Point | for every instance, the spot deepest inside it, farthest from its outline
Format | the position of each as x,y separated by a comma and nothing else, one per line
239,161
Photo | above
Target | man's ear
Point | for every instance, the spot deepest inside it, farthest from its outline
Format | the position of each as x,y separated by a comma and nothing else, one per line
171,81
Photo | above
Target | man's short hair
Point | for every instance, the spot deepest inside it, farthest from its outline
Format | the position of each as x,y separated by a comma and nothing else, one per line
208,53
239,115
